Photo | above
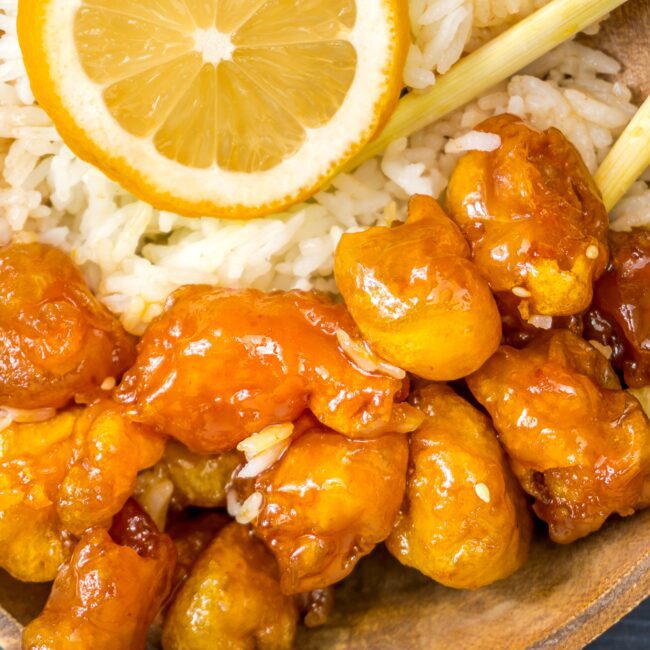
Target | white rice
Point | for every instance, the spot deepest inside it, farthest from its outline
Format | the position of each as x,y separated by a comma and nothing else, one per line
264,448
443,29
474,141
250,509
360,353
134,255
9,415
153,491
541,322
265,439
260,463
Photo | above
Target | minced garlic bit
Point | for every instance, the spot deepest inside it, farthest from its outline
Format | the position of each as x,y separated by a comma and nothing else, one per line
250,508
9,415
520,292
482,492
363,357
605,350
592,252
108,384
263,440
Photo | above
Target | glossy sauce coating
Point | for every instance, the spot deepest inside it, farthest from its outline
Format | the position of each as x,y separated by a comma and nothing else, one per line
220,365
518,332
111,590
622,305
56,339
199,479
327,502
191,537
231,600
62,476
577,443
465,521
316,606
533,217
416,297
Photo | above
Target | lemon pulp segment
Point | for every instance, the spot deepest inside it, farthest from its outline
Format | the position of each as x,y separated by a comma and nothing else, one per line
233,83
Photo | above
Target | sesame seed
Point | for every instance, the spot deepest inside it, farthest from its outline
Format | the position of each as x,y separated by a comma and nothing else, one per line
108,384
520,292
482,492
592,252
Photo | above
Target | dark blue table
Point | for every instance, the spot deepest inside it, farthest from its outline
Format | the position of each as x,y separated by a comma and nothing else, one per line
631,633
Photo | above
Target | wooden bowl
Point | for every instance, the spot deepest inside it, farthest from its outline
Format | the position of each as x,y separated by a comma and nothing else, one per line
563,598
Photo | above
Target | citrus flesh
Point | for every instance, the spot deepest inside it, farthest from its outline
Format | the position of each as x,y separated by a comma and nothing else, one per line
220,107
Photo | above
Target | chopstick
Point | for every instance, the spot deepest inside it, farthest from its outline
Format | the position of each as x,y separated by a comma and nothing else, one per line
627,159
494,62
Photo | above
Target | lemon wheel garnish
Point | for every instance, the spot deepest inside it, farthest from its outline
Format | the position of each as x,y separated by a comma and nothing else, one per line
228,108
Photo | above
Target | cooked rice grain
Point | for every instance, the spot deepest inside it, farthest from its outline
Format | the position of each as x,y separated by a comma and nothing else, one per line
134,256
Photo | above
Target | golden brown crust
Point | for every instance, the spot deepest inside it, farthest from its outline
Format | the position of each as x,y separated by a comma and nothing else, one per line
415,295
465,520
57,340
220,365
577,442
533,217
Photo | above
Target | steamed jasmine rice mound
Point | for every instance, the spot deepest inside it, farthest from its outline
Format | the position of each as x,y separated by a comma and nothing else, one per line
135,256
443,29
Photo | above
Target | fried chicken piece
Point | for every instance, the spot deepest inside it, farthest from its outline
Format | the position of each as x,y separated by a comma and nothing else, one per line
518,332
232,599
416,297
326,503
199,479
62,476
620,317
185,479
577,443
465,521
220,365
191,537
533,216
109,593
56,339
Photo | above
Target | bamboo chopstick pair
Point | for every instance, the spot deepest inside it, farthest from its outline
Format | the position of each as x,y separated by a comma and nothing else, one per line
502,57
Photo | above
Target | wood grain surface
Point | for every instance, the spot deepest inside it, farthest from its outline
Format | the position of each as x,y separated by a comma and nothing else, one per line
563,598
632,632
626,37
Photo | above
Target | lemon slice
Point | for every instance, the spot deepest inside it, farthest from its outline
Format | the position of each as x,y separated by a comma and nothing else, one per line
228,108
